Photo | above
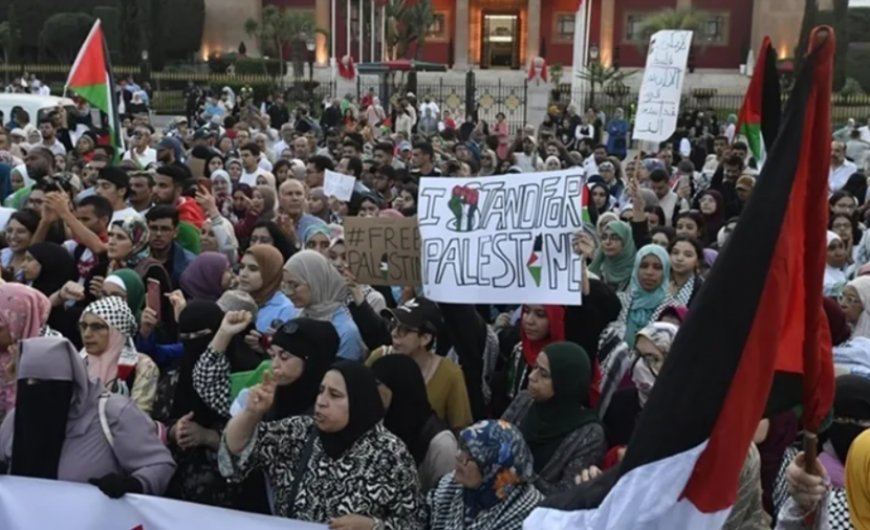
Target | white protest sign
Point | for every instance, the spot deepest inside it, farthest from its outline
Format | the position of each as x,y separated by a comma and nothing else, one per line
658,102
338,185
76,506
501,240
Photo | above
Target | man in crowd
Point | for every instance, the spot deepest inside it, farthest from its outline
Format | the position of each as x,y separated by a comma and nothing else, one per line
113,184
141,151
250,153
163,229
49,137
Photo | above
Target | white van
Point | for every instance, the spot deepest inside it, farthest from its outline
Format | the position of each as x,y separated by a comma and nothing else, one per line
35,106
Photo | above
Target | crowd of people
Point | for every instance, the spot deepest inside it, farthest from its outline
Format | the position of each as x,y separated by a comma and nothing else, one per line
179,318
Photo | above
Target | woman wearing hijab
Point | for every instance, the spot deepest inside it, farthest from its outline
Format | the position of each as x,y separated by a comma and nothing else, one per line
268,233
24,314
540,325
491,485
126,284
222,190
712,206
411,418
48,266
855,301
207,277
318,291
20,184
553,414
313,462
260,276
614,259
851,418
647,292
317,238
194,429
686,255
78,437
835,266
318,205
128,248
107,328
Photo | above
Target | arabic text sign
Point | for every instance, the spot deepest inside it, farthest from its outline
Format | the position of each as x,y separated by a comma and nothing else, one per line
658,102
338,185
501,240
383,251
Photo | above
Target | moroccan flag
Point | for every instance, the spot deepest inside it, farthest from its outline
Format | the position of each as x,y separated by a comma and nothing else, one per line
759,116
91,78
536,261
752,319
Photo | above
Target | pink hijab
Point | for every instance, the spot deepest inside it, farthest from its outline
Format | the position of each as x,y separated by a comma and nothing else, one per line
24,313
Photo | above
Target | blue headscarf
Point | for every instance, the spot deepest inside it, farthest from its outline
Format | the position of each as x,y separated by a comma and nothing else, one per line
504,460
644,303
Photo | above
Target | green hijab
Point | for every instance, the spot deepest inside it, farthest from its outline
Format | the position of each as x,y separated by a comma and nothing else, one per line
135,290
616,271
548,423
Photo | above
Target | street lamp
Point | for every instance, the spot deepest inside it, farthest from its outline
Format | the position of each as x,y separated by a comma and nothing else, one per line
310,45
145,66
593,52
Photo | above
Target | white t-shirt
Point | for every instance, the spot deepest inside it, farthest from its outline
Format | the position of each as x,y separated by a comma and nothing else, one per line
838,177
120,215
148,157
251,178
56,148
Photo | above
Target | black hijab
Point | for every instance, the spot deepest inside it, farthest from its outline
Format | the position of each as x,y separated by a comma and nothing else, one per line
365,408
851,404
315,342
409,410
197,325
58,267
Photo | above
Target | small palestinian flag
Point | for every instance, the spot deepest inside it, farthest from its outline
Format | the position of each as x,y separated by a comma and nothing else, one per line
585,199
759,116
91,78
682,466
536,262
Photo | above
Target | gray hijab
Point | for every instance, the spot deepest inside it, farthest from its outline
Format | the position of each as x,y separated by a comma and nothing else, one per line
328,288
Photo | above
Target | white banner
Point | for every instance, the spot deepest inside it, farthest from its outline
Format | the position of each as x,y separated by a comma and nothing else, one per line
27,503
658,103
501,240
338,185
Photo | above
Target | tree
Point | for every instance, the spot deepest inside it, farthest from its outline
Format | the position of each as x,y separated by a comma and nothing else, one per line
407,24
284,30
63,33
596,74
683,18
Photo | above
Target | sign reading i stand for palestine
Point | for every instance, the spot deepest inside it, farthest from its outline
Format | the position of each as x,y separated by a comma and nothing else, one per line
658,103
502,239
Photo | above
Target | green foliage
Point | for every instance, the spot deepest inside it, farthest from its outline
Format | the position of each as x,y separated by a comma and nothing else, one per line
851,88
407,24
63,33
249,66
283,30
683,18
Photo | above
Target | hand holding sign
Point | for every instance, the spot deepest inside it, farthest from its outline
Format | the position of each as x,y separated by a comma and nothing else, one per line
338,185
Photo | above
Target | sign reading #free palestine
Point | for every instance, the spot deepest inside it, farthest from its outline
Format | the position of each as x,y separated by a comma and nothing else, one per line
503,239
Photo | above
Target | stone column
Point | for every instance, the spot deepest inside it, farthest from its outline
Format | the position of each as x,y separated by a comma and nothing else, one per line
460,35
533,31
608,40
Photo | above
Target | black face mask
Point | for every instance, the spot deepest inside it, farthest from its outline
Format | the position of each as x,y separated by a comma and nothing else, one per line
41,413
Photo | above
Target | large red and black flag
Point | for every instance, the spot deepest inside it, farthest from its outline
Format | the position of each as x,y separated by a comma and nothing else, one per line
759,314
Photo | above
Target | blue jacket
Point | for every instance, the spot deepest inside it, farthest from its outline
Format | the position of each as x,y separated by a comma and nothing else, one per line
181,258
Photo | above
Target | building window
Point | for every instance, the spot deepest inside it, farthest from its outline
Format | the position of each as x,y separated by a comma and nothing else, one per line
438,28
714,29
564,31
634,28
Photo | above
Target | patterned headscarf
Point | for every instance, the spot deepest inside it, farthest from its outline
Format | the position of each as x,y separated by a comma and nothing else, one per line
24,313
120,352
117,314
137,231
504,460
661,334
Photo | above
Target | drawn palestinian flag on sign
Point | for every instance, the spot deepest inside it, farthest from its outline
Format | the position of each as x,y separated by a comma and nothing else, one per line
536,259
384,267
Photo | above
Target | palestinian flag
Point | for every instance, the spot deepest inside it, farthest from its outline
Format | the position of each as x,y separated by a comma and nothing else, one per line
753,319
91,78
585,200
535,260
759,116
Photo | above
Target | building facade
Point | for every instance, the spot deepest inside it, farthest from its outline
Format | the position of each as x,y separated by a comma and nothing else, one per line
507,34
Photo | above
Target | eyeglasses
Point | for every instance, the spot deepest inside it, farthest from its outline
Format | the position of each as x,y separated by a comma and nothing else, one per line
265,240
400,330
96,327
614,238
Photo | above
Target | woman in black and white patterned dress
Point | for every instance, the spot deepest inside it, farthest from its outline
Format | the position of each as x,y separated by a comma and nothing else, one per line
355,475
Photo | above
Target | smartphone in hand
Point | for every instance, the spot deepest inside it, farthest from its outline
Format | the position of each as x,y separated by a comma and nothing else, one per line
154,297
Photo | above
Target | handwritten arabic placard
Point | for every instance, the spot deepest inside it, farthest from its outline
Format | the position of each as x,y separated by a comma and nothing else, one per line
658,103
502,239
